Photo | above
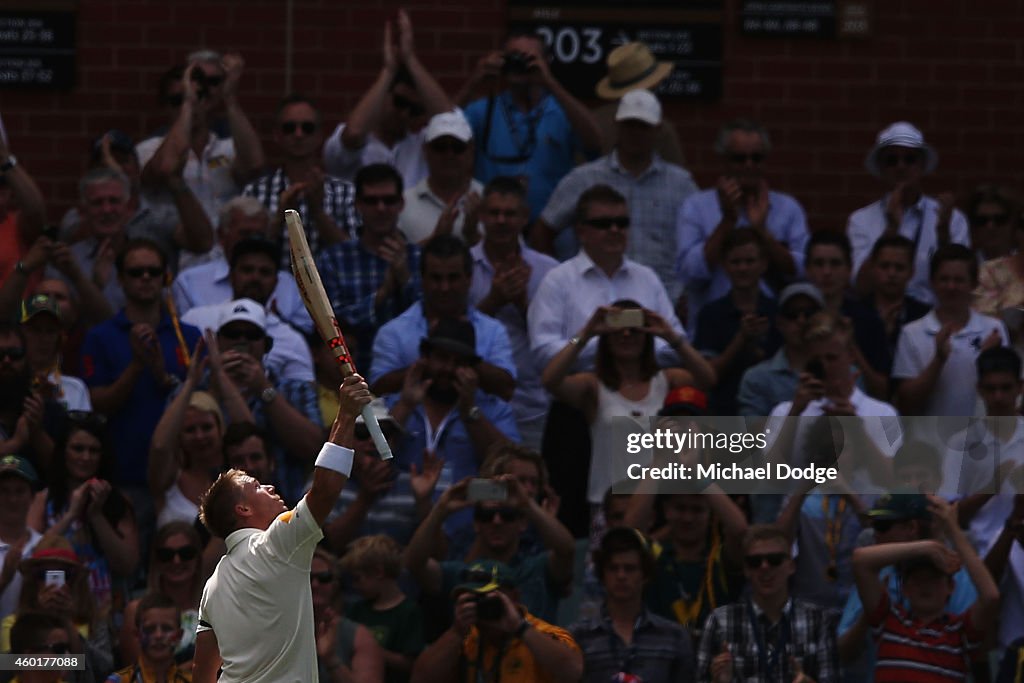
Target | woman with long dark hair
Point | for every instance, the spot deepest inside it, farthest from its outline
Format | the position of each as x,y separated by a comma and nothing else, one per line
81,505
626,381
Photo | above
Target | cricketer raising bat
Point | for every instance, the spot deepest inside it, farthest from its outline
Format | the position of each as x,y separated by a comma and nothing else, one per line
313,295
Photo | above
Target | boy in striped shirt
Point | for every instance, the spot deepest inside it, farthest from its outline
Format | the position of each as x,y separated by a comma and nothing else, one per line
925,644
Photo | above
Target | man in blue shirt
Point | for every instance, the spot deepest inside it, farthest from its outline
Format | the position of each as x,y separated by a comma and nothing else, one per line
132,362
742,199
530,126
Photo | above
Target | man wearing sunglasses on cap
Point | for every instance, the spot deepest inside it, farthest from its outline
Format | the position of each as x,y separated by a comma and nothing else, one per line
900,159
498,526
895,518
741,199
768,636
324,202
253,274
379,129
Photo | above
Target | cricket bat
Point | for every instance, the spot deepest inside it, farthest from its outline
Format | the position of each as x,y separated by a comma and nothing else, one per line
319,306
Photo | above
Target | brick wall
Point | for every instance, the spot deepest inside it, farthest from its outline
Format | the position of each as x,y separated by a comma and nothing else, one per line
954,70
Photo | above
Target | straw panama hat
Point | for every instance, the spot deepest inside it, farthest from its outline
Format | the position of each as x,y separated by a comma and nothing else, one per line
631,66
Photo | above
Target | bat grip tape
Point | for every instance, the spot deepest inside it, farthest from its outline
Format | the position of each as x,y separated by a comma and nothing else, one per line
378,436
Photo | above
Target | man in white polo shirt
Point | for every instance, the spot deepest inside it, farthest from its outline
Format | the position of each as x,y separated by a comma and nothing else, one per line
256,613
934,366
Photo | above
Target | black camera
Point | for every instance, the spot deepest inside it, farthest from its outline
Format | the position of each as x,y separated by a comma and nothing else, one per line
516,63
489,607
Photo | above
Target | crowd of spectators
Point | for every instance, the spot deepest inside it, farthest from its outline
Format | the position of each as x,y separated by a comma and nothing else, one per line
511,306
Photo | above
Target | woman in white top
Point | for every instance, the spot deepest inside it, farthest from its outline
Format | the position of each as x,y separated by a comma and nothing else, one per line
185,453
626,382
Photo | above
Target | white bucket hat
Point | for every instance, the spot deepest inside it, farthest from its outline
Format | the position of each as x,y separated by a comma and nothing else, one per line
901,134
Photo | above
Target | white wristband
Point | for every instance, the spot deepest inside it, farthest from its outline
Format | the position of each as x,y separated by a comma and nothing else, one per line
335,457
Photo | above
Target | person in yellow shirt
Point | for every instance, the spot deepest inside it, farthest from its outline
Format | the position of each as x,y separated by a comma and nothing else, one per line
493,638
158,621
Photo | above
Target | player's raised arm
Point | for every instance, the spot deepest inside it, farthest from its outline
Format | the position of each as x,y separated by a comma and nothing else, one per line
334,464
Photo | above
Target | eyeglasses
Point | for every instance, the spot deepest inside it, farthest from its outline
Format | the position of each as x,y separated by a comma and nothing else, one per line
414,108
175,100
894,159
754,158
185,553
378,199
12,353
882,525
232,334
773,560
213,81
151,271
322,577
797,313
487,515
289,127
607,222
992,218
448,147
60,648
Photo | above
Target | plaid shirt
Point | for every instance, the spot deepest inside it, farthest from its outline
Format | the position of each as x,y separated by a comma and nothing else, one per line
811,642
351,277
339,204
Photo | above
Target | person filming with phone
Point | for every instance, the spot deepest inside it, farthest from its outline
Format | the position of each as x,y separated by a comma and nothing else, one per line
493,637
502,510
625,381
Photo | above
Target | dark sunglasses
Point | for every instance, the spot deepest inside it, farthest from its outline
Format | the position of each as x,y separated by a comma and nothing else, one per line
232,334
175,100
487,515
755,158
773,560
448,146
608,222
797,313
185,552
414,108
994,219
60,648
322,577
377,200
213,81
151,271
895,159
289,127
12,353
883,525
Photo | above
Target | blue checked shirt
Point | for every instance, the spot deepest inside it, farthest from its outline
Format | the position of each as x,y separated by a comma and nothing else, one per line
653,197
339,204
351,276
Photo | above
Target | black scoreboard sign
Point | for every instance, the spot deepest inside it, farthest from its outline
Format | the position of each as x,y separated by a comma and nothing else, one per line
37,48
580,36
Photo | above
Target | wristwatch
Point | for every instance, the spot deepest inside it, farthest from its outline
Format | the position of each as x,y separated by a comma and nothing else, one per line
473,414
268,395
11,162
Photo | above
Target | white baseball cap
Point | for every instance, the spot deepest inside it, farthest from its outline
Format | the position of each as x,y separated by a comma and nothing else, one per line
641,105
243,310
452,123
